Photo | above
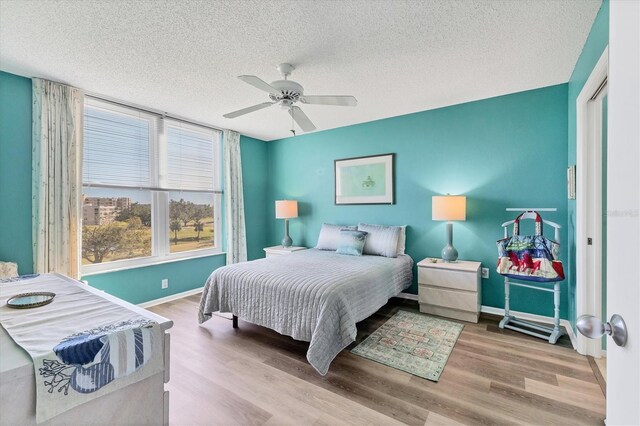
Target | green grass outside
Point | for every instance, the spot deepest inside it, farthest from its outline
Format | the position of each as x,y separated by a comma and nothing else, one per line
186,241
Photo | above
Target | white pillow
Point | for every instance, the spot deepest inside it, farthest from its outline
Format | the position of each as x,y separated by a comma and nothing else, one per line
402,239
329,237
381,240
8,270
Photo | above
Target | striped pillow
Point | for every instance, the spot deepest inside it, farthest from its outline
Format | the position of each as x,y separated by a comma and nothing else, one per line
402,239
381,240
329,237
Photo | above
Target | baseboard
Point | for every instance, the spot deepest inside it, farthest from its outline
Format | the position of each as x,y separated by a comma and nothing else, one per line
170,298
537,318
409,296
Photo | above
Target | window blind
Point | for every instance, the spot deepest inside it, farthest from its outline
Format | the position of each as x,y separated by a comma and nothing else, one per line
190,159
116,148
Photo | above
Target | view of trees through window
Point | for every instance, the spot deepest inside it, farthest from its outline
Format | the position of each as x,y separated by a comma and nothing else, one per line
190,225
119,227
115,225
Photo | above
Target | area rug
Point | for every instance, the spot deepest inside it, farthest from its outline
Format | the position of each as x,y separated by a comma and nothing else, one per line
416,343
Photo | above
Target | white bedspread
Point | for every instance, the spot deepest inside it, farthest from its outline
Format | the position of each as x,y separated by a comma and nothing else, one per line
128,357
312,295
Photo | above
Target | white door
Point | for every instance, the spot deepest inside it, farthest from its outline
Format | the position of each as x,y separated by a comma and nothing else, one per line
623,210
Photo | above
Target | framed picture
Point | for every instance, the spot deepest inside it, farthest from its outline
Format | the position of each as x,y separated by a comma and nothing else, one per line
364,180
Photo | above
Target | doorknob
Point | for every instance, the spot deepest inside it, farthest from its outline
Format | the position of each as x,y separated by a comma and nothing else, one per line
593,328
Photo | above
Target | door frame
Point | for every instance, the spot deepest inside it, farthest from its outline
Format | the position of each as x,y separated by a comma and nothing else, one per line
589,199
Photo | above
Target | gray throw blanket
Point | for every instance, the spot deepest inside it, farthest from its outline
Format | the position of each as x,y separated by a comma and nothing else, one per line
312,295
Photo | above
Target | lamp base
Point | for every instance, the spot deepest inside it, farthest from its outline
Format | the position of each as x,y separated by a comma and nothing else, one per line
449,252
286,241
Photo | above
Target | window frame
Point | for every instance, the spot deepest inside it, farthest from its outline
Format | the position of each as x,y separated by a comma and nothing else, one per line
160,192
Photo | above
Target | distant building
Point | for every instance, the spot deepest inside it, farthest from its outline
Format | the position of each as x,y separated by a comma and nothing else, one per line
101,210
98,214
119,203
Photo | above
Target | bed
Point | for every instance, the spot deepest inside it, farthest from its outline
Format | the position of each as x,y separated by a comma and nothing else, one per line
312,295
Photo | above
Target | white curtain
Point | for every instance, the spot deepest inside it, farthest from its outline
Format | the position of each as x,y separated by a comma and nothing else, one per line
57,177
234,200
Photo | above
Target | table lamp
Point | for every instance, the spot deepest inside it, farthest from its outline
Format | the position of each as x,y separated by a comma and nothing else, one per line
286,209
449,208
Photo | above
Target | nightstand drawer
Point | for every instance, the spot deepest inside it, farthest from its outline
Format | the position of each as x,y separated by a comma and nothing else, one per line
448,278
463,300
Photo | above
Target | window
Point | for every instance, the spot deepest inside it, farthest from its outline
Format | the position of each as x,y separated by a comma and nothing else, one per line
151,188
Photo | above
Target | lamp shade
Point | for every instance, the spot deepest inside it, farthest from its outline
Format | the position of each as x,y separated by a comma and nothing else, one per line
286,209
449,207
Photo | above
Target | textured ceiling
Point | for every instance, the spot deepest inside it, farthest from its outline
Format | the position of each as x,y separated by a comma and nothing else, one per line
394,56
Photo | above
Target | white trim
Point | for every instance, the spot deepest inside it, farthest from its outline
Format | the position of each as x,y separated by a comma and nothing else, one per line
533,317
168,259
588,261
408,296
171,298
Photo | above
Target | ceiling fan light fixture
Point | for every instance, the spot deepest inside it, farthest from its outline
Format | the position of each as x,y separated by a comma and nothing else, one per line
287,93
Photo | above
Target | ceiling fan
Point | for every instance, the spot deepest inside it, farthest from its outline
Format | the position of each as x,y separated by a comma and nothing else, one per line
287,93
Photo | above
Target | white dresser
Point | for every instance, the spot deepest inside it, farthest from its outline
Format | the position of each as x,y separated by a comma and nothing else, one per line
279,250
142,403
450,289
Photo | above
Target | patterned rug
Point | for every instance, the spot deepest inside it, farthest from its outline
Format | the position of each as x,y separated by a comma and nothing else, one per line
416,343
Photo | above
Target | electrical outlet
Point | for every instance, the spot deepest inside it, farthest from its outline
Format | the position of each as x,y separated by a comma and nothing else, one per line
485,272
165,283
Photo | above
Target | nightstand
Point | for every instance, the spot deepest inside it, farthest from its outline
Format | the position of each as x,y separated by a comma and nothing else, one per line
450,289
279,250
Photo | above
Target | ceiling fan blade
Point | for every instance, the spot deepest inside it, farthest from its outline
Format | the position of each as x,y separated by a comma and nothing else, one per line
330,100
259,83
301,118
247,110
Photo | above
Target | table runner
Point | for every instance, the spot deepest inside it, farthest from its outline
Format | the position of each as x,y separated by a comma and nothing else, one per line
77,317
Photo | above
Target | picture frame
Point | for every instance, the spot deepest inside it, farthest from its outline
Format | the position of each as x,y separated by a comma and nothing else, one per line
364,180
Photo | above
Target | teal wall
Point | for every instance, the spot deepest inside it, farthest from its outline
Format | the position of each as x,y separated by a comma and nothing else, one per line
509,151
138,285
134,285
255,177
597,41
15,171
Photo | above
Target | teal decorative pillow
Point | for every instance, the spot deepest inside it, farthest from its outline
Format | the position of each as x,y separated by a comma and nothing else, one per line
351,242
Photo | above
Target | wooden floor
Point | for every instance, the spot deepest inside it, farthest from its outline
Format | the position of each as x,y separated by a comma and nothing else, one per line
252,375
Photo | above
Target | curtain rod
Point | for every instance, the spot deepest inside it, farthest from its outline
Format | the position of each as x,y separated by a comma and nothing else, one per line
150,111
